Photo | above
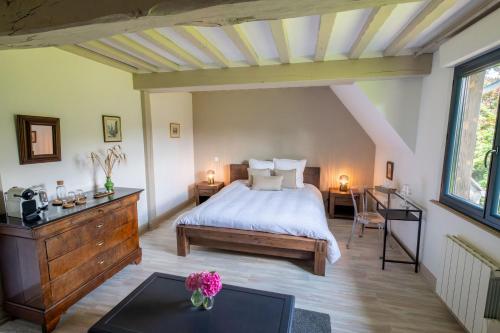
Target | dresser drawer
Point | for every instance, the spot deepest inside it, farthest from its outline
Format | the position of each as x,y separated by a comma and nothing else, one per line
94,229
75,278
79,219
75,258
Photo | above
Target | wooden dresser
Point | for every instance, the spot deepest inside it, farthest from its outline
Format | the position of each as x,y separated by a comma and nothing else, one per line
49,265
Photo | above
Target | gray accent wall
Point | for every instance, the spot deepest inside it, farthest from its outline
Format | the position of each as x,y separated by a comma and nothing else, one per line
295,123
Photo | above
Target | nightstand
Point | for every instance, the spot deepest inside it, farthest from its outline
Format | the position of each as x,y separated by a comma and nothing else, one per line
340,204
203,191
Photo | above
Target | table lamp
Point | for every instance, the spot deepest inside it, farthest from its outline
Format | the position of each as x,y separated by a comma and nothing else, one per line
211,177
344,183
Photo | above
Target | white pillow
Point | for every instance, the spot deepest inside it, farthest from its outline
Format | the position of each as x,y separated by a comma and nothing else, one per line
298,165
261,164
257,172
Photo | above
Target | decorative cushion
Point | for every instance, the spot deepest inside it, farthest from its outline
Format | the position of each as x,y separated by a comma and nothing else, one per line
298,165
260,164
259,172
289,177
267,183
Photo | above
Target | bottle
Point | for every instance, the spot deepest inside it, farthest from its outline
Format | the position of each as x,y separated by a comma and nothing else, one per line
60,190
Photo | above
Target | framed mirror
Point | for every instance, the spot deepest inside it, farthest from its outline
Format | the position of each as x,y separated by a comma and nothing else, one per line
38,139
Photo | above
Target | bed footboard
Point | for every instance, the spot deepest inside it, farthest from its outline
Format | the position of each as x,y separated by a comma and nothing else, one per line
256,242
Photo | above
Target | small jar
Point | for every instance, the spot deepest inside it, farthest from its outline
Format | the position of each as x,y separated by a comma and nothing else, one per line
61,190
71,198
80,195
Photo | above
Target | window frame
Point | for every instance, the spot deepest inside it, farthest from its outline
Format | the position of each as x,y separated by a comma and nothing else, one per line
484,215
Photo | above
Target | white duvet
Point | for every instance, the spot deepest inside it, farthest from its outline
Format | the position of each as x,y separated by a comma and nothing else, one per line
297,212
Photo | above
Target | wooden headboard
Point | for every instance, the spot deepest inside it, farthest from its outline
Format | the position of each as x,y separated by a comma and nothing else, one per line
239,171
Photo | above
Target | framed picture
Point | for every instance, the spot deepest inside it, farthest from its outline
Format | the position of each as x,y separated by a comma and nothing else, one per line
112,128
389,170
33,136
175,130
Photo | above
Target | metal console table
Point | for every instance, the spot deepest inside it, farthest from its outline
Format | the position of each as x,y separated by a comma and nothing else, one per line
393,207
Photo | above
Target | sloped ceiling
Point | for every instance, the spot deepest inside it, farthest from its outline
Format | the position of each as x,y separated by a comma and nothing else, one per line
381,125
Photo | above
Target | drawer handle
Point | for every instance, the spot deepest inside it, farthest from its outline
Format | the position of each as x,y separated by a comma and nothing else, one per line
100,262
101,243
99,226
100,211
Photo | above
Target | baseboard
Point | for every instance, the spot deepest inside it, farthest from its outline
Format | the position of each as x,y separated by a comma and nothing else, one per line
431,281
428,277
143,229
493,326
153,223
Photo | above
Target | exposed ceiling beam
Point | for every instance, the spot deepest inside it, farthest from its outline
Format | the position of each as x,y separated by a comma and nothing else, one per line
195,37
281,40
375,21
171,47
134,46
460,22
433,10
325,31
324,72
89,54
114,53
35,23
239,38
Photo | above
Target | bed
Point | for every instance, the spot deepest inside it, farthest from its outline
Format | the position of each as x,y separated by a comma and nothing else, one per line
289,223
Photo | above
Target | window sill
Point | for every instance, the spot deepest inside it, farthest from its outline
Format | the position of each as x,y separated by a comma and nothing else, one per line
468,219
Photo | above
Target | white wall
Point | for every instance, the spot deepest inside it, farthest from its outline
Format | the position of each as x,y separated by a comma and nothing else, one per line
173,157
54,83
368,114
399,103
422,169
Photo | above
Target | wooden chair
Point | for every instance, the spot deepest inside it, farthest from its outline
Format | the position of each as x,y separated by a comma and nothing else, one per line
364,217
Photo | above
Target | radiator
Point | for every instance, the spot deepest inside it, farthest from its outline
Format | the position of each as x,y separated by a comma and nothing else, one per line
469,284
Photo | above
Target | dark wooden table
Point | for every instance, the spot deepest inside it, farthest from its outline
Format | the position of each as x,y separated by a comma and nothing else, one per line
161,304
204,190
340,205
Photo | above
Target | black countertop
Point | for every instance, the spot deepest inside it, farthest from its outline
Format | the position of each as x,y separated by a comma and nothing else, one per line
55,213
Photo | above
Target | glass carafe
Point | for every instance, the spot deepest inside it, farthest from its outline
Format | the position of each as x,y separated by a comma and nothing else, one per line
61,190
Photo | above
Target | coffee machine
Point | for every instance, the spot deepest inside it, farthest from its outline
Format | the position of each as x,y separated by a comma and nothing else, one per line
26,203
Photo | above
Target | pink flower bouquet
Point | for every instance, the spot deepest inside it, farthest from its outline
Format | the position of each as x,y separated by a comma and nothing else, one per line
204,285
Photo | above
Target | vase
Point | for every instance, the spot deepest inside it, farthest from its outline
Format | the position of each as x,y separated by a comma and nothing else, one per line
109,184
197,298
208,302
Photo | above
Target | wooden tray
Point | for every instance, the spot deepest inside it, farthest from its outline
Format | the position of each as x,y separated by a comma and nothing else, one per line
102,194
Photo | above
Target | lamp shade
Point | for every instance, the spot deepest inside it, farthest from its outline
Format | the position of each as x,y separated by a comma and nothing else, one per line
344,183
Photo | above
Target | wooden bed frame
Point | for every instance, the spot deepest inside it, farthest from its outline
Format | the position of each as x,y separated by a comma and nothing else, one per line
255,241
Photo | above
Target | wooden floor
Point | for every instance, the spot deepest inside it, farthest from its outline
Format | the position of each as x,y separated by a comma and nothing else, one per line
356,293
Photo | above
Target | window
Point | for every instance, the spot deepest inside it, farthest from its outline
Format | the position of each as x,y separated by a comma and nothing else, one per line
471,171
